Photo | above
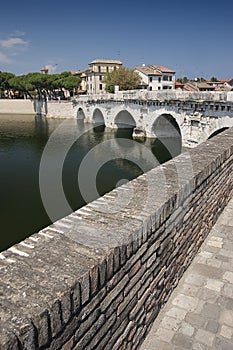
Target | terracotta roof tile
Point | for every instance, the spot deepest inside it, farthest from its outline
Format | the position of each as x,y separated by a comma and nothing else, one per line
154,69
106,61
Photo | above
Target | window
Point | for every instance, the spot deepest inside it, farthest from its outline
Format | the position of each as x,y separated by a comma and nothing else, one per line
107,69
159,80
165,78
115,67
99,69
150,79
100,77
100,86
150,88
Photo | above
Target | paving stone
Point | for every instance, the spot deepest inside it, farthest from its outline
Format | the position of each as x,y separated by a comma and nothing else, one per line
210,311
226,317
222,344
214,263
228,276
227,290
199,346
205,337
165,335
185,302
170,323
214,284
222,258
190,290
226,332
187,329
208,271
194,279
177,313
229,304
183,341
195,320
153,343
215,244
208,295
212,326
228,265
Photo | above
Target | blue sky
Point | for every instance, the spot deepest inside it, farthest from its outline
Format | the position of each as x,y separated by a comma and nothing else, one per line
195,38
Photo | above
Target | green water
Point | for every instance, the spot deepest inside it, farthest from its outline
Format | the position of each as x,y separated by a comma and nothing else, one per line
23,139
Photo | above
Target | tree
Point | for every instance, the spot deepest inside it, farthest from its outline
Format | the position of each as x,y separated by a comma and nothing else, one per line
42,85
68,81
4,82
213,79
20,83
125,78
183,80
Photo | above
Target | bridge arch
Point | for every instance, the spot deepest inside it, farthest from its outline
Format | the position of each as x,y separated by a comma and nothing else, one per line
98,118
168,133
218,131
166,125
124,120
80,114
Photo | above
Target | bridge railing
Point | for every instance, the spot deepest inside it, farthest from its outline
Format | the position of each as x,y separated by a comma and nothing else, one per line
215,96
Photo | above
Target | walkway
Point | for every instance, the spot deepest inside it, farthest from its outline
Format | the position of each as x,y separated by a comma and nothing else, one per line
199,313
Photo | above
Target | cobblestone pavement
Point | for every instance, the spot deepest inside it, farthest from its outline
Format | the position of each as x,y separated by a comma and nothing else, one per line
199,313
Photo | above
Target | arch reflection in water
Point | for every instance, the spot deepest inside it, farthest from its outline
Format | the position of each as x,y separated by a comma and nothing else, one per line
22,140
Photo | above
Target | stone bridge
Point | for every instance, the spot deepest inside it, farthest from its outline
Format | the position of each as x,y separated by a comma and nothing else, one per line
194,117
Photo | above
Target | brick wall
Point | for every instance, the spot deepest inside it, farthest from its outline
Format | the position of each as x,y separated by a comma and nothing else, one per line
97,278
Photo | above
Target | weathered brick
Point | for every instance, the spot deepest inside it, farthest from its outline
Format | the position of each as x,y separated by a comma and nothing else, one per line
56,318
85,288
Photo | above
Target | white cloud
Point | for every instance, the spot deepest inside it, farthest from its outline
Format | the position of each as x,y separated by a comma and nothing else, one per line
12,43
17,33
4,58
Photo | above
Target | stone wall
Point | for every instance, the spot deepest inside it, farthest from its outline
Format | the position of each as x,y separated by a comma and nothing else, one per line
17,106
54,109
60,109
98,278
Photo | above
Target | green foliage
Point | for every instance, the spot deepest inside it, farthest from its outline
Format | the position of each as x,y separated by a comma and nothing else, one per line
200,79
68,81
4,81
183,80
125,78
213,79
37,85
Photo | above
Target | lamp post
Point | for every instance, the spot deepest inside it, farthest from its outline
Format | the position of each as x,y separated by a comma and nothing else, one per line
196,83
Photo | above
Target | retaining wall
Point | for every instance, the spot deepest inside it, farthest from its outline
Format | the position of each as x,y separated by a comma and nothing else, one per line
17,106
97,278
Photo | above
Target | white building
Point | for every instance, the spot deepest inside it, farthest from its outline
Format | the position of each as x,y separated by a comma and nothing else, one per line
156,77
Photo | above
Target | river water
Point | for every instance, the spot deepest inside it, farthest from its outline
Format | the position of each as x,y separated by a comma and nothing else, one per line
104,158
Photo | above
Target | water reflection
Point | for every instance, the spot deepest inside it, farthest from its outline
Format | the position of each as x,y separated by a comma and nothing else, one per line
22,141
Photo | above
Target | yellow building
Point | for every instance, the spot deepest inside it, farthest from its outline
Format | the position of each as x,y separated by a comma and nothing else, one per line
92,78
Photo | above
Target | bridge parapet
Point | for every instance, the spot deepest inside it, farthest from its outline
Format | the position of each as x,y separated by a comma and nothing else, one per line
98,277
210,96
